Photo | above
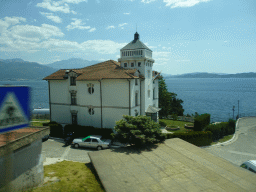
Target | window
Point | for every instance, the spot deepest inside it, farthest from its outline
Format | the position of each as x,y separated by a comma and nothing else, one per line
250,169
73,98
154,93
136,99
125,64
87,140
136,81
136,113
95,141
153,81
148,93
91,111
74,118
90,88
139,64
132,64
72,81
148,73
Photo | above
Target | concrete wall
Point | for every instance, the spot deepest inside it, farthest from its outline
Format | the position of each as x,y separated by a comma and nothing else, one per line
27,166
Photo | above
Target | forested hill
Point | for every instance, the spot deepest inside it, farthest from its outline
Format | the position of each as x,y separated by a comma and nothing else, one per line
17,69
211,75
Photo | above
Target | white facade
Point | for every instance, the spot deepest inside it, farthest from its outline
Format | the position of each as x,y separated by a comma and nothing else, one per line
110,98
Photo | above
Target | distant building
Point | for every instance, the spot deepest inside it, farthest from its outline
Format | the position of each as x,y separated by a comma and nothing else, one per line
100,94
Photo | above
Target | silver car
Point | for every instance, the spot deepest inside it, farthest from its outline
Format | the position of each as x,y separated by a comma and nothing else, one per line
92,141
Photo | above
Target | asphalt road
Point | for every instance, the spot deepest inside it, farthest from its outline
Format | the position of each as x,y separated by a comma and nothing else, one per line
56,149
243,147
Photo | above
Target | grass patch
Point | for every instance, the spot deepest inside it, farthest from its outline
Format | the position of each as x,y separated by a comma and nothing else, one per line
39,123
181,124
225,138
74,176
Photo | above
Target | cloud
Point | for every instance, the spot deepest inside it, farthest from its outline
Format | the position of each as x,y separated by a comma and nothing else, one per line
61,6
183,3
77,24
92,29
27,37
147,1
9,21
54,6
127,13
110,27
50,16
102,46
121,25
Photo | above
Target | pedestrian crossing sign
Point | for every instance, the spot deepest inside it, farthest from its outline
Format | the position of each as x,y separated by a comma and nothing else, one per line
14,107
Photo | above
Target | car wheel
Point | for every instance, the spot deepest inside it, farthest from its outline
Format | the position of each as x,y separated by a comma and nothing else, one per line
76,145
99,148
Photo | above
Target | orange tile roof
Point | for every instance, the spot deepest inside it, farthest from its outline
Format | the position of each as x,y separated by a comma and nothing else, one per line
106,70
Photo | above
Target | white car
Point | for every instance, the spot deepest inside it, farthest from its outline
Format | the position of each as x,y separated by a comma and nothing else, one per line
92,141
250,165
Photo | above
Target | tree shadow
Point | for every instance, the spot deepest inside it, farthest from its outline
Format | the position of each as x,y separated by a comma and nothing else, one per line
136,149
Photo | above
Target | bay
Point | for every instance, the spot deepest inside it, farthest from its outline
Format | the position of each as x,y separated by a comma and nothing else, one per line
215,96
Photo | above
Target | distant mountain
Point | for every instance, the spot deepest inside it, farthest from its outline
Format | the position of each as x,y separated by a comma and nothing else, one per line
71,63
18,69
213,75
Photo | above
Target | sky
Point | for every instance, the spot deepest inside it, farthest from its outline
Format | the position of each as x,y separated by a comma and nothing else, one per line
186,36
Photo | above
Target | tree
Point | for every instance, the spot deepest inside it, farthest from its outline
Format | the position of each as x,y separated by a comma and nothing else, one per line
168,102
137,130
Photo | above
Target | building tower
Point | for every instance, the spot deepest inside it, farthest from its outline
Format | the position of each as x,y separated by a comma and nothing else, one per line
136,55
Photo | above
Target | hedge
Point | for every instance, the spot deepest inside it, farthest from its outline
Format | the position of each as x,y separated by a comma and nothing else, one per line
55,129
222,129
198,138
201,122
83,131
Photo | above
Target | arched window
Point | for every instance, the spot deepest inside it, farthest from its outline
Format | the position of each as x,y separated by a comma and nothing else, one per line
90,88
91,111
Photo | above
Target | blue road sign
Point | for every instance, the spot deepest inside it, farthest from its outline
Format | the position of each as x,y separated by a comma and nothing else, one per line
14,107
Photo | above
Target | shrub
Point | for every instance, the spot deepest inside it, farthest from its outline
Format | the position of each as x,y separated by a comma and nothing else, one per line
138,130
218,130
55,129
232,126
198,138
174,117
83,131
201,121
162,123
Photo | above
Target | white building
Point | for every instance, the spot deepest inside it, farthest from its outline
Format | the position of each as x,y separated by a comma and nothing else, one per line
100,94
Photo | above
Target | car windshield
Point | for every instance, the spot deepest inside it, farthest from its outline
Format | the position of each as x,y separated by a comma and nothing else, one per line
86,138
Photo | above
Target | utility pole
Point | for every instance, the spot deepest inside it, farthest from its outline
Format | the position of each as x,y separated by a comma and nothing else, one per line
238,109
233,111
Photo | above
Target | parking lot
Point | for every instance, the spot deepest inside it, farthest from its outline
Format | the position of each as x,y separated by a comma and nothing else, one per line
55,150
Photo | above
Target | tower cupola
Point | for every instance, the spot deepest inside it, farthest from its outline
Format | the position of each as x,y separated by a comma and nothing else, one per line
136,36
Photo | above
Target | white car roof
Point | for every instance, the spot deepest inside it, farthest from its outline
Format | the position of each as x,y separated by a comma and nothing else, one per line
95,136
252,162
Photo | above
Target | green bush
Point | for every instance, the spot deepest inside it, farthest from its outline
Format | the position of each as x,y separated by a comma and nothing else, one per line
219,130
232,126
55,129
198,138
201,121
138,130
83,131
162,123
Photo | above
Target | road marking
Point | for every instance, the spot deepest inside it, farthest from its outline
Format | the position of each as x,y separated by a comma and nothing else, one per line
65,153
241,153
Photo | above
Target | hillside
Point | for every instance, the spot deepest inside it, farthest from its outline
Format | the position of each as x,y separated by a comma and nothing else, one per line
15,69
212,75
